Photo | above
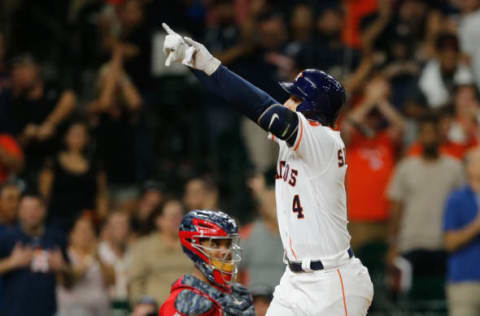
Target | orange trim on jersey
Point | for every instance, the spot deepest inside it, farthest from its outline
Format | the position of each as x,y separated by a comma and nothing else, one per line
291,248
300,137
313,123
343,292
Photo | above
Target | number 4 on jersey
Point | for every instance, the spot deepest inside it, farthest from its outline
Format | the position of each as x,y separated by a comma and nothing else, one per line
297,207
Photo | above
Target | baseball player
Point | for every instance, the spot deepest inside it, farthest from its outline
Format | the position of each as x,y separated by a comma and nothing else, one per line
210,240
322,276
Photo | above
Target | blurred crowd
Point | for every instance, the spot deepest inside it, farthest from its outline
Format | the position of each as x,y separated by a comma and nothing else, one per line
103,148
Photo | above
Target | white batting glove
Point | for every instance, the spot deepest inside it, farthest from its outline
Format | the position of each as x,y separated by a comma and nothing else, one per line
198,57
174,46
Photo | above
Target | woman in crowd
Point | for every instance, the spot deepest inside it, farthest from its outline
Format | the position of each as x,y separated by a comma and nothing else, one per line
86,294
71,182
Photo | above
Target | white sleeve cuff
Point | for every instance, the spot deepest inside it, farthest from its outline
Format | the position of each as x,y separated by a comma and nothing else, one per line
212,66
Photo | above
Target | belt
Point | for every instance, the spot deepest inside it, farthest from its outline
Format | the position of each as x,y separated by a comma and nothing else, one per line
314,265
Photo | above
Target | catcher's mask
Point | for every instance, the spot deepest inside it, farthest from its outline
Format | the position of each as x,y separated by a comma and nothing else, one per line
211,241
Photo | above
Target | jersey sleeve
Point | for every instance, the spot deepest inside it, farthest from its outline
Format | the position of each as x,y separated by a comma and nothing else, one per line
272,137
187,303
313,142
168,307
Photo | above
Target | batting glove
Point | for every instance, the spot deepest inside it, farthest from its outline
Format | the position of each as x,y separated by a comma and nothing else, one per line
198,57
174,46
188,52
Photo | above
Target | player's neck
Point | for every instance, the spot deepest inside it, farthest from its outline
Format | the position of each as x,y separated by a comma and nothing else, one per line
199,275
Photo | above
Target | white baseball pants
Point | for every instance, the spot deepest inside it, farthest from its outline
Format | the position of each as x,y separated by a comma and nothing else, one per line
342,291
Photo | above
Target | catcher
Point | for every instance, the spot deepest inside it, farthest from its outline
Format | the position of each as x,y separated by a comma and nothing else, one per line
210,240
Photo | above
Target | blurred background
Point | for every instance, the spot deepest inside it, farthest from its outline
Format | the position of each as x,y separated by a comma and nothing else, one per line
103,148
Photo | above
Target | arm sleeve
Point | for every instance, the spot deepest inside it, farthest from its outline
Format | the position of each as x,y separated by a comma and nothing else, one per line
251,101
168,307
244,96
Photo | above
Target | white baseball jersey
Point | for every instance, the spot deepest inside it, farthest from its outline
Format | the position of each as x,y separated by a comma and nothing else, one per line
310,193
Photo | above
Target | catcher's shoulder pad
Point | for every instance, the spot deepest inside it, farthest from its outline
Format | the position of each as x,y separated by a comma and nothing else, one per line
190,303
240,290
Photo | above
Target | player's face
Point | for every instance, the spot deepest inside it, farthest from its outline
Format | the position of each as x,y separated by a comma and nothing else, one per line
293,102
218,248
224,253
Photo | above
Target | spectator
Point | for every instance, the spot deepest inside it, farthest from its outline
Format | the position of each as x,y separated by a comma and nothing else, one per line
413,109
223,37
459,128
158,258
9,200
463,132
418,190
115,114
402,71
462,240
402,20
355,12
371,150
112,251
326,51
135,43
469,36
30,258
38,110
87,295
262,261
11,157
302,24
273,36
71,182
146,306
441,75
201,193
150,200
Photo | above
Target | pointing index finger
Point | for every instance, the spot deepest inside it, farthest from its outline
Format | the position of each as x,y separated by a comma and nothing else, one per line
167,28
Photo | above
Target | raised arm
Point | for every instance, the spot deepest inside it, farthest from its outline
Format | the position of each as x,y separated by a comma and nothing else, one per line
244,96
249,100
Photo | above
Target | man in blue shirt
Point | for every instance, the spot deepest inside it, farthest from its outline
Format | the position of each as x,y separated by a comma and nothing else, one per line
9,200
30,258
462,240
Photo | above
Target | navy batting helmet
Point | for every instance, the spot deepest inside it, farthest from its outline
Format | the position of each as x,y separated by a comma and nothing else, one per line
322,95
198,231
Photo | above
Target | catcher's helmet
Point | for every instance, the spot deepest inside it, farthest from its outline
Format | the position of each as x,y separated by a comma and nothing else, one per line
322,95
201,226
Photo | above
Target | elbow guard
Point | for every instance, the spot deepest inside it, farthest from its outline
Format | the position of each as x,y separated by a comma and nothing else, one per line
280,121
